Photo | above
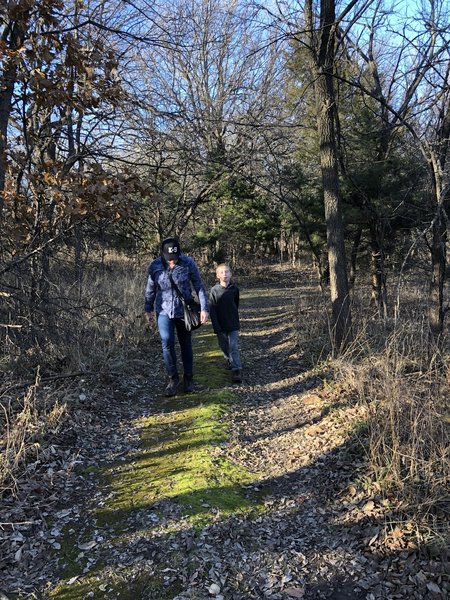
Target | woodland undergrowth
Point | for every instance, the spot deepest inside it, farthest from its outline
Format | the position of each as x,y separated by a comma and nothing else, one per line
389,368
96,332
402,380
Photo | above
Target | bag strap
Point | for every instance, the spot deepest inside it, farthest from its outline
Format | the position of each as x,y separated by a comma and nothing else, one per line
176,288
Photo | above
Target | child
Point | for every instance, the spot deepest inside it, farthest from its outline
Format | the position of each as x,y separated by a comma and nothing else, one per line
224,304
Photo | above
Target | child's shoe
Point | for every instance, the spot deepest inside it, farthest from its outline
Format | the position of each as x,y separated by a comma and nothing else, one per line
236,376
188,384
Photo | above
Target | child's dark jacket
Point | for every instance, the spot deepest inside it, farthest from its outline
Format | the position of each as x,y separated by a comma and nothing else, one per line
223,308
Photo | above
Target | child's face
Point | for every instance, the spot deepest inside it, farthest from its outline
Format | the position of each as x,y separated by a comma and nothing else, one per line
223,275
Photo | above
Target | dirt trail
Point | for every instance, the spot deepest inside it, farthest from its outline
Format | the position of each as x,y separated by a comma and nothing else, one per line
318,529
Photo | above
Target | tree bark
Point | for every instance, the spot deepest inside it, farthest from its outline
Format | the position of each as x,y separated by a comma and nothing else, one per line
354,257
378,272
438,265
13,36
322,52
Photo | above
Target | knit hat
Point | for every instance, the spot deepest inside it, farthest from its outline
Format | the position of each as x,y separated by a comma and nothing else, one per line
170,249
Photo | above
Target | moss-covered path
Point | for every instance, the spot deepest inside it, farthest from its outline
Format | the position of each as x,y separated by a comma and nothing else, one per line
175,484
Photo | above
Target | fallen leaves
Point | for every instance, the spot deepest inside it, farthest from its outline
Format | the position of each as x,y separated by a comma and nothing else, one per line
295,592
214,589
318,532
87,546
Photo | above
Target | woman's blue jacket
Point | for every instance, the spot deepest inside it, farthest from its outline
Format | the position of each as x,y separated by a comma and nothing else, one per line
159,293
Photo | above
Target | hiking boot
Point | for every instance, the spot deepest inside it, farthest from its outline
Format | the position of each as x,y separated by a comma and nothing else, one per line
188,384
171,388
236,376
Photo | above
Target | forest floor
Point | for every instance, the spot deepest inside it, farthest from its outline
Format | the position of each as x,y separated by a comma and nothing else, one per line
246,491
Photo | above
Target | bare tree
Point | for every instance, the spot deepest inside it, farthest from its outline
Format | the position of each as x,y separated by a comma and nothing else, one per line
61,92
14,19
205,88
314,26
410,82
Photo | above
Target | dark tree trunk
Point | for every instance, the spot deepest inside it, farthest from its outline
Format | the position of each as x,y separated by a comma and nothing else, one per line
438,265
13,36
439,229
322,54
378,272
354,257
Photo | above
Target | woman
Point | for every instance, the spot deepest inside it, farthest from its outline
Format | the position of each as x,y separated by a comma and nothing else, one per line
170,269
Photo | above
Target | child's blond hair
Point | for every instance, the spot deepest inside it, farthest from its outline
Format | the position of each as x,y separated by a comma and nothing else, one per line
226,265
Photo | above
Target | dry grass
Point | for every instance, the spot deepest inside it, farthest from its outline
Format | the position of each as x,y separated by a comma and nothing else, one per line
25,422
83,329
94,334
403,382
388,368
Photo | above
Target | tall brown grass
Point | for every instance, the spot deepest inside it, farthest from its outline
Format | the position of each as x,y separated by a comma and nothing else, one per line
402,379
97,332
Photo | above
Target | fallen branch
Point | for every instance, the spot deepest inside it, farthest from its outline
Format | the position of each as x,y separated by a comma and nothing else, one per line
23,384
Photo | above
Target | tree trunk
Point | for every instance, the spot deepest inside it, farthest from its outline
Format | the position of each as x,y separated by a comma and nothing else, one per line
78,257
7,86
379,293
354,256
322,53
438,264
439,230
13,37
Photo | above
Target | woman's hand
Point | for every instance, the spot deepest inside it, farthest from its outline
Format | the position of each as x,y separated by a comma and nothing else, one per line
204,316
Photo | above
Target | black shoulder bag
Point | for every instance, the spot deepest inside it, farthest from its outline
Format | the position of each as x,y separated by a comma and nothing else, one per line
191,308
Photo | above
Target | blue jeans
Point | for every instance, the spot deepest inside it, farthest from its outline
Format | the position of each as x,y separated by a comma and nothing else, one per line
167,328
229,344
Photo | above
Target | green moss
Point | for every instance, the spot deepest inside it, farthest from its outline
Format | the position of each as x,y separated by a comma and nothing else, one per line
120,584
179,466
178,462
92,470
69,551
71,592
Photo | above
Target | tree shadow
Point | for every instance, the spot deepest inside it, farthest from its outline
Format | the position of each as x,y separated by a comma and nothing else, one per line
293,524
276,520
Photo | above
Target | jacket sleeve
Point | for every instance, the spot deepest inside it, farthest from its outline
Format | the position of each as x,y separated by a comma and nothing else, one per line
197,283
213,312
150,293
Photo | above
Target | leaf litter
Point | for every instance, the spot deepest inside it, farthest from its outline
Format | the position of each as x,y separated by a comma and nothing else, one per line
321,530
